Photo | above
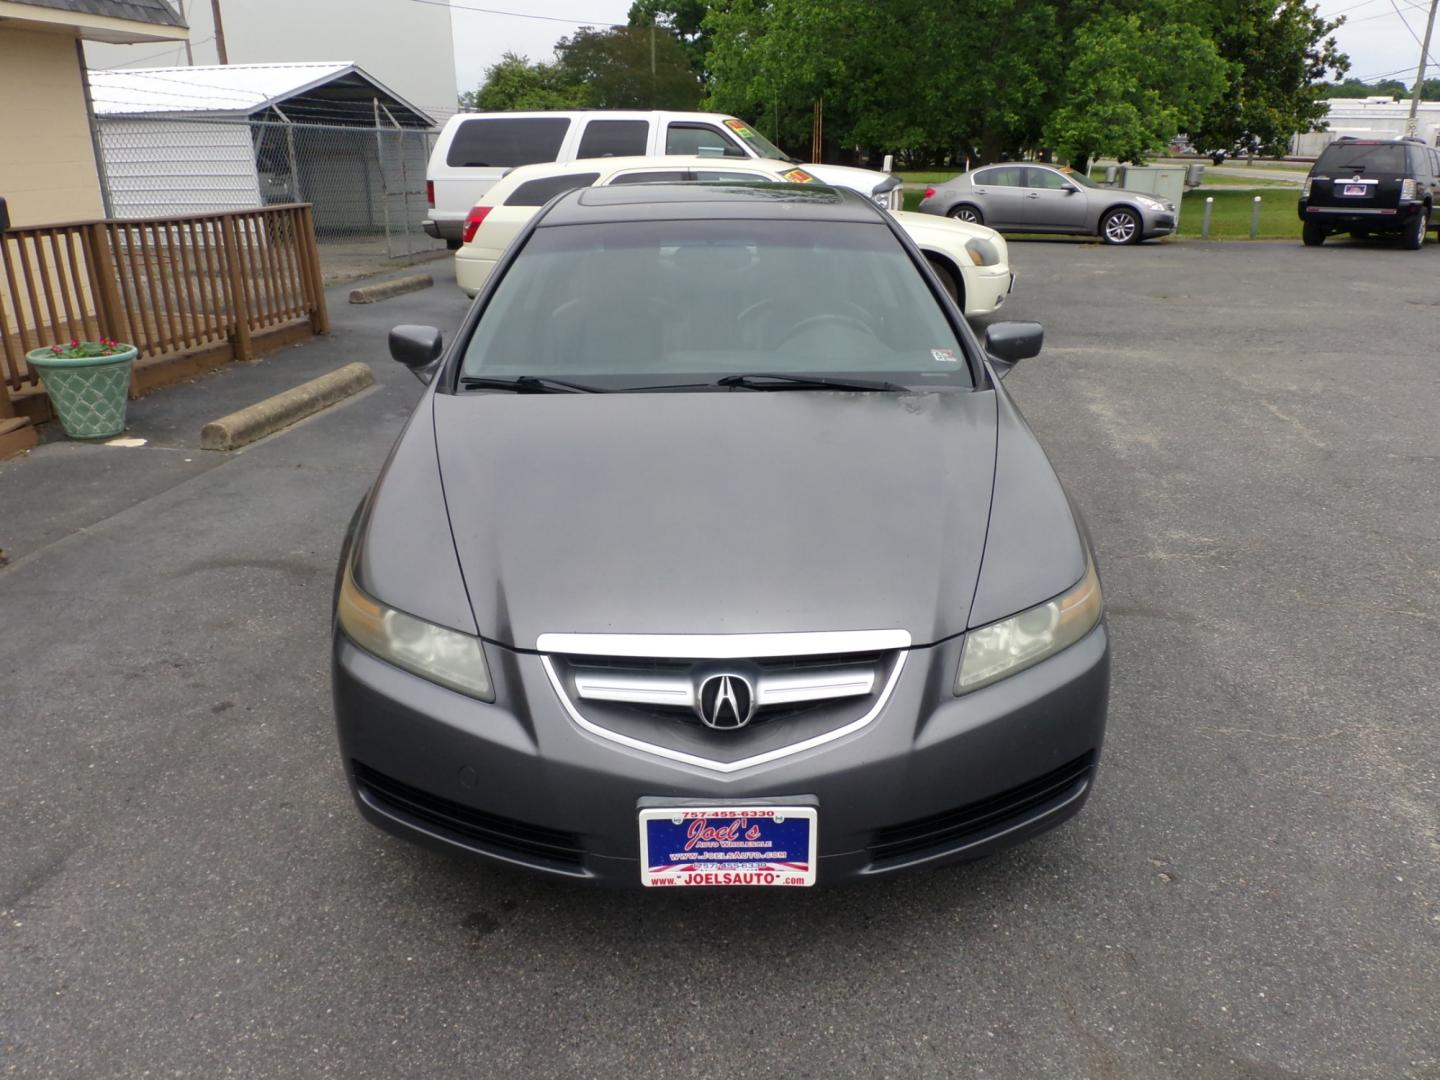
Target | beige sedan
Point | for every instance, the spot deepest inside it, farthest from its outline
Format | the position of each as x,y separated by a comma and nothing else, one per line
971,261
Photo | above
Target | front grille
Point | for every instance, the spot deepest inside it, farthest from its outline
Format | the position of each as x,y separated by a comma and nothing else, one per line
466,825
758,669
971,822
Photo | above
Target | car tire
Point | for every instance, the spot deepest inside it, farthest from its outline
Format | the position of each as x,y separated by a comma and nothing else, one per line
1120,226
1415,234
966,212
953,288
1312,234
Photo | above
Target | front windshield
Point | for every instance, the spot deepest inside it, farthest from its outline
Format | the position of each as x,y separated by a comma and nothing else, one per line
757,142
1080,178
663,302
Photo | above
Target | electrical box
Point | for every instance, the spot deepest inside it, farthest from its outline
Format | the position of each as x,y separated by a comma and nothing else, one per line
1163,181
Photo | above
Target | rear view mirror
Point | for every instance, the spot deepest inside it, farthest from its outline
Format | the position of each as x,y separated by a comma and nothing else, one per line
416,347
1010,342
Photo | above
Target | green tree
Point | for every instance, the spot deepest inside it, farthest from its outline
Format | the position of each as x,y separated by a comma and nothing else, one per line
515,83
683,18
1354,88
925,76
615,69
1131,83
1277,57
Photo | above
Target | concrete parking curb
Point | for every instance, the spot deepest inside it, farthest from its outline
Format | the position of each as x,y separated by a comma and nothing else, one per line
383,290
266,417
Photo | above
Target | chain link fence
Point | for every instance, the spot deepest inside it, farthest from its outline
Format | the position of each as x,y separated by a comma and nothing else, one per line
366,184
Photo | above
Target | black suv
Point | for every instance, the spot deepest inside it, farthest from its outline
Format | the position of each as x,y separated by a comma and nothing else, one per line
1371,186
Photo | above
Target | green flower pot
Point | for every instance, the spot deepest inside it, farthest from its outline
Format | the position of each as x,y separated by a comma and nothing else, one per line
89,393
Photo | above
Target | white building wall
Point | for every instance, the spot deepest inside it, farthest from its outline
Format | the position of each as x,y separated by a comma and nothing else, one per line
158,167
1369,118
408,47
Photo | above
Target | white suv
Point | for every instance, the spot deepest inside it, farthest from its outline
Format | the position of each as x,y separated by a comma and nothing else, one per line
971,261
476,149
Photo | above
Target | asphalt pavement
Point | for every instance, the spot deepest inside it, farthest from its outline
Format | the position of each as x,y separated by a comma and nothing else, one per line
1253,891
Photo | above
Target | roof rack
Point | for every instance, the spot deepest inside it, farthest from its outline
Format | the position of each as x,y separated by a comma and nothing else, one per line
1398,138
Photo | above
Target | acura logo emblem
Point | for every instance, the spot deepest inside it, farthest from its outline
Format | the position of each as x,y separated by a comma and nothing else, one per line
725,702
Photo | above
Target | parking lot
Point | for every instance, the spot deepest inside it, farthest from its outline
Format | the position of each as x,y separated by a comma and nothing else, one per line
1253,891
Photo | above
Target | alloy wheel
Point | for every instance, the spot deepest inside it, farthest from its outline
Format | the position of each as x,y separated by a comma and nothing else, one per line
1120,227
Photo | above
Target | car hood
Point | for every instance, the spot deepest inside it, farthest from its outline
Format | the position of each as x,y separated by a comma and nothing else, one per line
864,181
931,227
717,513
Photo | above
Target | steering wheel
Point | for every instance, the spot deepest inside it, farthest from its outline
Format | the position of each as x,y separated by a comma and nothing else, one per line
820,320
770,301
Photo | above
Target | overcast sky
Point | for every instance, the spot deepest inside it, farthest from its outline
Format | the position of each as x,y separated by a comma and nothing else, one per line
1375,36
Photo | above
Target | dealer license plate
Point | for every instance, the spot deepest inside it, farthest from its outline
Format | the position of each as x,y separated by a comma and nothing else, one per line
1356,189
728,845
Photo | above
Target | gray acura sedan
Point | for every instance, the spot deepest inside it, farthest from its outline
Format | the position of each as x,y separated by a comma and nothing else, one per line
716,554
1012,197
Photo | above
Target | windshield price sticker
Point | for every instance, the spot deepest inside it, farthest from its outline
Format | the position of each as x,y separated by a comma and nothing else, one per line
740,128
798,176
944,356
747,845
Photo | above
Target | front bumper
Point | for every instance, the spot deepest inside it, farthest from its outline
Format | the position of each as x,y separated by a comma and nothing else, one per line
933,779
471,270
986,288
1157,223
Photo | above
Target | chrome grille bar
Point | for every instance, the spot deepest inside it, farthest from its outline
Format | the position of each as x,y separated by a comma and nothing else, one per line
646,688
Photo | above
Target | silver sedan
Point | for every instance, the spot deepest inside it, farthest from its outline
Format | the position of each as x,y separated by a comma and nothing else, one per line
1014,197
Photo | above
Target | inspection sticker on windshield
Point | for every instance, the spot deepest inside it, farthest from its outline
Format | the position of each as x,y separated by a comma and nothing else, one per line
944,356
736,845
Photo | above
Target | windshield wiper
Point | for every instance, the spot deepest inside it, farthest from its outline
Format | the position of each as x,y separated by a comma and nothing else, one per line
768,381
529,384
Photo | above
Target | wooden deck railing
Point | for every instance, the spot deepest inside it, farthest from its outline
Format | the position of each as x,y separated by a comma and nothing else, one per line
171,286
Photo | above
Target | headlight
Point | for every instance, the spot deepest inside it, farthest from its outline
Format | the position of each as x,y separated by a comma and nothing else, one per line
1011,645
444,656
982,252
1152,204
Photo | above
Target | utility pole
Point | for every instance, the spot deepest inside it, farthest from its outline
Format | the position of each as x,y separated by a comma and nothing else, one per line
653,92
219,32
1420,71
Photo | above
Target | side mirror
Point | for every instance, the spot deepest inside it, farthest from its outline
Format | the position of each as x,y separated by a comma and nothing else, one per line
1007,343
416,347
1070,190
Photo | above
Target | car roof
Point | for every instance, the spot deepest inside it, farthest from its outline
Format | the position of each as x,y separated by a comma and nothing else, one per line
588,114
678,202
606,165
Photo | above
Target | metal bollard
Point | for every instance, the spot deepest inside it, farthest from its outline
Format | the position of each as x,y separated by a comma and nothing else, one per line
1255,218
1205,221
